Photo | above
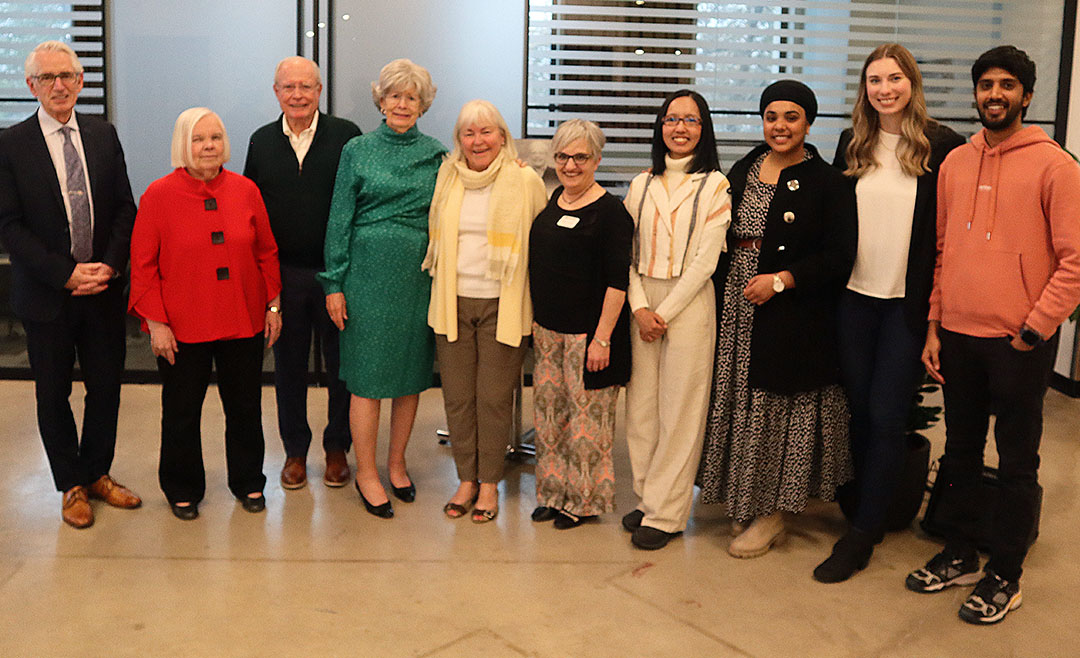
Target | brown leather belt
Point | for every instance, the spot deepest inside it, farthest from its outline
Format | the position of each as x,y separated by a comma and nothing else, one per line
748,243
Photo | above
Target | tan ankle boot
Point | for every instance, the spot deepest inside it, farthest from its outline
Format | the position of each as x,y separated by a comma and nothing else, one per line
756,540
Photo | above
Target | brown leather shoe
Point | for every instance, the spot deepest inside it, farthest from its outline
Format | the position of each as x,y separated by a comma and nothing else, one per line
76,510
337,470
113,493
294,473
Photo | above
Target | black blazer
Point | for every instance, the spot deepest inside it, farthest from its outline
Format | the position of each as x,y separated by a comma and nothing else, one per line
793,345
34,224
922,253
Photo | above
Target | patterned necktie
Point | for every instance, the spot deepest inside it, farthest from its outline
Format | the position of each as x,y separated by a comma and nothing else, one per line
82,239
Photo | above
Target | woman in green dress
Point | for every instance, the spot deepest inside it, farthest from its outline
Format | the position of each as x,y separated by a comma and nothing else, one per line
376,293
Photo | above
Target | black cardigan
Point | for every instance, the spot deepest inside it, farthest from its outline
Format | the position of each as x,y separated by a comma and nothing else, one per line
298,199
923,250
793,345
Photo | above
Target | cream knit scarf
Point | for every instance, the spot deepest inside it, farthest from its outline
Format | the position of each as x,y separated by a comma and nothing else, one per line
506,220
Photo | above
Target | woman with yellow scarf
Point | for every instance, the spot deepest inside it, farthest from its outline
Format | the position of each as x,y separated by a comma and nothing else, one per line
478,228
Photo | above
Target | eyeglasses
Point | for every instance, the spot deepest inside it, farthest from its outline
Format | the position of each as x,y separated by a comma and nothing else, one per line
67,77
578,158
306,88
691,122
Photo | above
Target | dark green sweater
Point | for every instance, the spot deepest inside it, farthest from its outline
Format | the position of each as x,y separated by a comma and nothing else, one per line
298,199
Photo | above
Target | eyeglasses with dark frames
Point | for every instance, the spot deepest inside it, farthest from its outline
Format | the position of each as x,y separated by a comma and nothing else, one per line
578,158
67,77
691,122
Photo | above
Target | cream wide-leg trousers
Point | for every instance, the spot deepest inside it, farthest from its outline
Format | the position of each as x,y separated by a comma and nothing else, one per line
667,399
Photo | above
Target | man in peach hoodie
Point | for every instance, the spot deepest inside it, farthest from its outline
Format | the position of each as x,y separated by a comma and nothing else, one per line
1007,275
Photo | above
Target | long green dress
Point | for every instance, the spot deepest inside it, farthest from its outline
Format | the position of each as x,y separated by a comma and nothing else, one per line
376,238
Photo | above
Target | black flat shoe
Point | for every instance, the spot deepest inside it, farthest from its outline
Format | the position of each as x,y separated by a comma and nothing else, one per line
185,512
253,505
565,520
405,494
384,511
632,520
651,539
541,514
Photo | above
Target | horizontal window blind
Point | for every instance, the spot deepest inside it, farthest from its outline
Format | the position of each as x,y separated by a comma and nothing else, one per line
23,25
613,61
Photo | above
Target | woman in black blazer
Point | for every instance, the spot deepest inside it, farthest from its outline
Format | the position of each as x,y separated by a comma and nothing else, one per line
891,154
777,432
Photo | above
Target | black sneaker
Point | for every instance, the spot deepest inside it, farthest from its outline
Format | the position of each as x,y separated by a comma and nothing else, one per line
991,600
944,570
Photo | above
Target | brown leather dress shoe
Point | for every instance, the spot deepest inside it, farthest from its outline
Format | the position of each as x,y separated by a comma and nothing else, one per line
294,473
337,470
76,510
113,493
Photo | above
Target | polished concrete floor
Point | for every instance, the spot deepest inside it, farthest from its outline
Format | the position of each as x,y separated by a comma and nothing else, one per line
317,576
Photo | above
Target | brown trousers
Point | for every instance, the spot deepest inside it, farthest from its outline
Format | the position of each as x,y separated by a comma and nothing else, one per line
479,376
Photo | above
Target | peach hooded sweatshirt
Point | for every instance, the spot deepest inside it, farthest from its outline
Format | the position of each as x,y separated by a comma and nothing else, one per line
1008,236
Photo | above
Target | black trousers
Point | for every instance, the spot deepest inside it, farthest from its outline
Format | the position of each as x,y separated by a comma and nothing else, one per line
91,329
880,369
985,376
303,307
239,370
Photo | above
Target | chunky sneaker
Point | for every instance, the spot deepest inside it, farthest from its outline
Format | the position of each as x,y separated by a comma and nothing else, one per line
944,570
992,599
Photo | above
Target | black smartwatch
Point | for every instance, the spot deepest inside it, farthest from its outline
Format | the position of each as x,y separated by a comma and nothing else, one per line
1030,336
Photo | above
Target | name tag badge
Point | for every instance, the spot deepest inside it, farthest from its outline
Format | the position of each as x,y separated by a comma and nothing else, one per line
568,221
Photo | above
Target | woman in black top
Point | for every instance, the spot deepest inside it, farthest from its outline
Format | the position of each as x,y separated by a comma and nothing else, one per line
579,264
891,154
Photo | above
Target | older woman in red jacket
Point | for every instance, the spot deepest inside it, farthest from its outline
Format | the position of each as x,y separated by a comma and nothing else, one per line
205,283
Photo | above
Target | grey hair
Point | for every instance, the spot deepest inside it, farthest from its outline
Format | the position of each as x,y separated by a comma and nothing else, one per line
575,129
296,59
181,137
31,67
477,111
402,74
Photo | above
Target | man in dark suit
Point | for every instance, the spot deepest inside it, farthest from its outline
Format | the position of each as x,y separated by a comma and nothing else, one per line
66,214
294,161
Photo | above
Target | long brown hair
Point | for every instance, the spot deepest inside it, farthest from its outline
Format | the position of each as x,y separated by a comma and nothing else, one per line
914,149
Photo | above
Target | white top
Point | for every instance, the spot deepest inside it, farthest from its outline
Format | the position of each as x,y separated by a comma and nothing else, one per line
54,140
302,142
886,203
472,255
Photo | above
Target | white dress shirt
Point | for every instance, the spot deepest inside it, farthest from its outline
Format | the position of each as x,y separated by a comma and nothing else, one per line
54,140
300,142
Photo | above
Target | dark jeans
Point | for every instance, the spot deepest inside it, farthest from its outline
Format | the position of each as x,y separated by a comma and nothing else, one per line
986,376
89,328
239,370
881,370
303,312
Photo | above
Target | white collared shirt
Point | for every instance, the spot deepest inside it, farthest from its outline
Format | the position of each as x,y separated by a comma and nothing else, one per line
302,142
54,140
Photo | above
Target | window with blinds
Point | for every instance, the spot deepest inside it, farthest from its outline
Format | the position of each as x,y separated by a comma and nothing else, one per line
23,25
613,61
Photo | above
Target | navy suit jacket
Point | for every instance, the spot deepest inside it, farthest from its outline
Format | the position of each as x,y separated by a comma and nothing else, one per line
34,224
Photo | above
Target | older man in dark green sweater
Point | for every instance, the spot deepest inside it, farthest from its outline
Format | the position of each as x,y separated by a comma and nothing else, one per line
294,161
